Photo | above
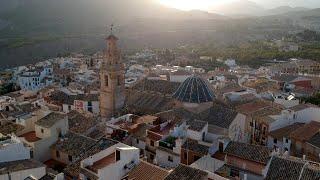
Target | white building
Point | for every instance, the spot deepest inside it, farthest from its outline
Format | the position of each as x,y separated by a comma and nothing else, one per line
230,62
22,169
47,132
5,101
35,78
110,164
210,165
12,149
286,100
179,76
279,139
302,113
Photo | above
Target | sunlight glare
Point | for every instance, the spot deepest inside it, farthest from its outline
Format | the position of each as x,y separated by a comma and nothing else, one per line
188,4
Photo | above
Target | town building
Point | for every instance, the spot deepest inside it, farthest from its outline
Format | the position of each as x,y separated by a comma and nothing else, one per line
110,164
22,169
244,161
146,171
47,132
279,139
112,80
288,167
12,149
35,78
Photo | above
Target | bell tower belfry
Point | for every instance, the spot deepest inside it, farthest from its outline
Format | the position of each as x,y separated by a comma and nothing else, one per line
112,79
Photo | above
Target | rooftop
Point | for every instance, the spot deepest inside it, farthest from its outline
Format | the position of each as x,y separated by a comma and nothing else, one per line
49,120
285,131
141,131
143,102
161,86
252,107
292,168
194,90
148,119
74,168
14,166
306,131
146,171
285,78
110,159
8,128
196,125
31,136
183,172
259,154
79,123
73,144
315,140
194,146
217,115
302,107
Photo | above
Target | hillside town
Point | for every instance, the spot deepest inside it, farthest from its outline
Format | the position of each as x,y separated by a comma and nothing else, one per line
110,116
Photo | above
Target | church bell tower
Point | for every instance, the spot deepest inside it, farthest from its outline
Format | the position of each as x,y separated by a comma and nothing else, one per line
112,79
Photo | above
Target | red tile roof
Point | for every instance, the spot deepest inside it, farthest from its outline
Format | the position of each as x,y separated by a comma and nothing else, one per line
31,136
306,132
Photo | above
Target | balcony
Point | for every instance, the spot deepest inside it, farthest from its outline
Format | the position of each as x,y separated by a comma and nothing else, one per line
169,142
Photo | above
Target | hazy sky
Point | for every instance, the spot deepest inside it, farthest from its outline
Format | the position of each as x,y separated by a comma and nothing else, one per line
203,4
294,3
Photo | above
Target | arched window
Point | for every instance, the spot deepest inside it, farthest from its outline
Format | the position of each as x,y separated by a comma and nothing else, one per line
106,80
119,80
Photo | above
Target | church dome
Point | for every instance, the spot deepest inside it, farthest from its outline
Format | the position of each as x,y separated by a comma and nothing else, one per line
194,90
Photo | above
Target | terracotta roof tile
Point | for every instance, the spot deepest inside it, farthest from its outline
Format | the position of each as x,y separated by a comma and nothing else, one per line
146,171
250,152
183,172
305,132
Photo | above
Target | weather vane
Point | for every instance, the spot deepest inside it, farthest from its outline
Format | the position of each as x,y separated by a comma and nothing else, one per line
111,29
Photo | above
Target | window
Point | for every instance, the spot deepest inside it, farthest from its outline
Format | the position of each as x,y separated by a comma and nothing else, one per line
151,143
185,155
70,158
264,130
137,141
251,124
42,130
170,158
119,80
118,155
234,173
57,154
106,80
275,140
287,140
195,157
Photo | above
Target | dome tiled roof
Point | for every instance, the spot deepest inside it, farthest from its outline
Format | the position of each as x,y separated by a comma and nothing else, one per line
194,90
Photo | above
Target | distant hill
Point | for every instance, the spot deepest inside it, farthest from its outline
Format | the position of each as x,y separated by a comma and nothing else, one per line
238,7
245,8
32,29
284,10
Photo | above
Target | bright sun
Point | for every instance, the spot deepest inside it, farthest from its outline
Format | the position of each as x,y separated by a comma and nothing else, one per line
187,4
